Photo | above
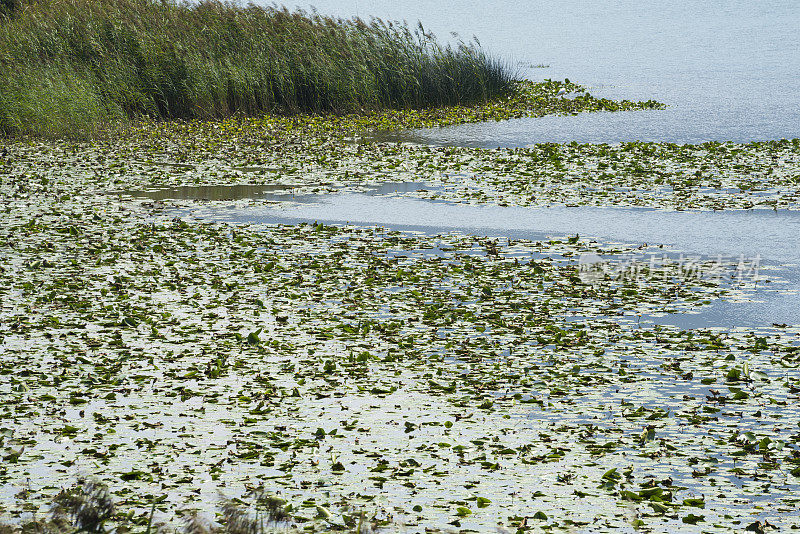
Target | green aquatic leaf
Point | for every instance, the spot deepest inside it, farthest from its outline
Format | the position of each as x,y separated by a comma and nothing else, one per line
252,337
135,475
692,519
658,507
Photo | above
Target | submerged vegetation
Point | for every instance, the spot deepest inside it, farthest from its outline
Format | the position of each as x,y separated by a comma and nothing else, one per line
71,65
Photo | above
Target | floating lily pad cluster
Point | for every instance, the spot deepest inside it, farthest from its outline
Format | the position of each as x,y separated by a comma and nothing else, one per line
420,380
364,376
314,154
527,99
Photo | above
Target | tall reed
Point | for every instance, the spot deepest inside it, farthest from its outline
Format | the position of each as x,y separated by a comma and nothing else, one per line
74,65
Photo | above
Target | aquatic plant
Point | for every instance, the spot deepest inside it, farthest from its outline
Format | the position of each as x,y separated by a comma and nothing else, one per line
74,65
84,507
88,506
10,8
264,512
344,363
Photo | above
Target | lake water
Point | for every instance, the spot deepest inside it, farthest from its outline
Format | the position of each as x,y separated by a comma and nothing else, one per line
729,70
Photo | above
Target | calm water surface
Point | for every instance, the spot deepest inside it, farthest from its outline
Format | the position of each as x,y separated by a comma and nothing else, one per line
729,70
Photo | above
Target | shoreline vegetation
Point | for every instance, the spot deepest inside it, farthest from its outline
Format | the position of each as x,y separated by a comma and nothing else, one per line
75,68
526,99
88,506
75,64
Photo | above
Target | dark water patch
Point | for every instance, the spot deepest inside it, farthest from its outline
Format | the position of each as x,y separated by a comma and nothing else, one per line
209,192
276,192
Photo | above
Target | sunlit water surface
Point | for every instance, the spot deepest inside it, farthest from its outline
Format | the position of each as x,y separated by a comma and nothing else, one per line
729,70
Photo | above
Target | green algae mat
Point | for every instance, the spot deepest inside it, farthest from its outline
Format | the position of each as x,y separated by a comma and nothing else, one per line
365,379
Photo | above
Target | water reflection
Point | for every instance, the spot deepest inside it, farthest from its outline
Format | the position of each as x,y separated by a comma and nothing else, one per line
209,192
276,192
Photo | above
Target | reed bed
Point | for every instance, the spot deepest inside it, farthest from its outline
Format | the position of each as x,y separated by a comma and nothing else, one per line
71,66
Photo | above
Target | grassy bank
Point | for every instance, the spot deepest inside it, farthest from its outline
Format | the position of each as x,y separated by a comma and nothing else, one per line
72,66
